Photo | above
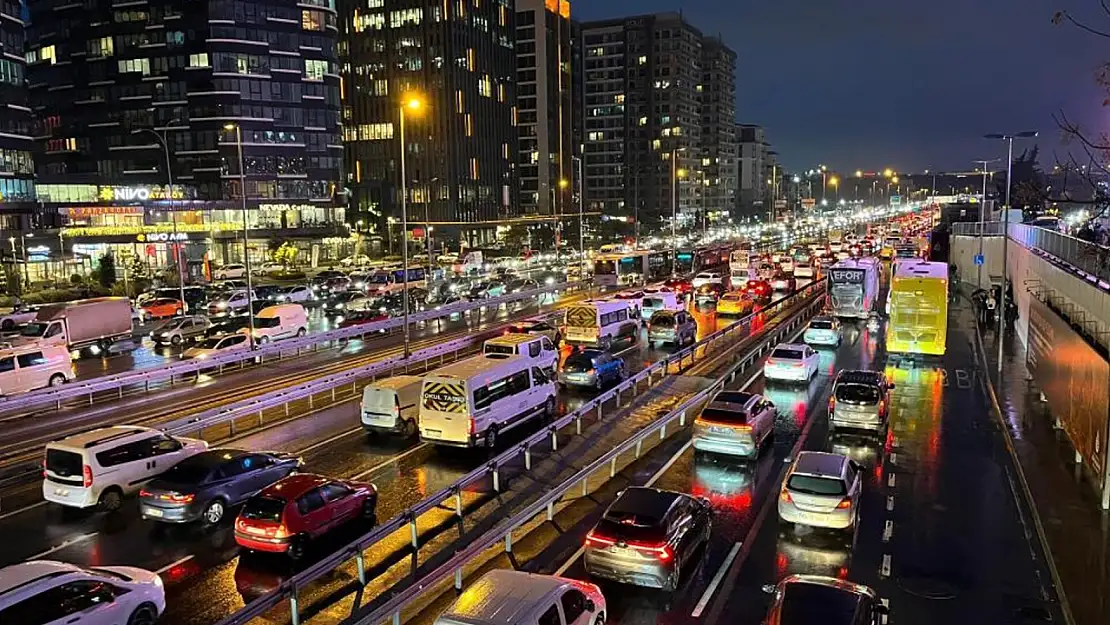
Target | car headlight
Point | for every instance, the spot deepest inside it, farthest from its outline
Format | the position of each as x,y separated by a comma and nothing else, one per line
221,305
165,335
340,306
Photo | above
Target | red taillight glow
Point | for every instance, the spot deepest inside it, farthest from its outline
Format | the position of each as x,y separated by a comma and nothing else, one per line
179,498
785,496
44,468
471,427
86,475
596,540
844,504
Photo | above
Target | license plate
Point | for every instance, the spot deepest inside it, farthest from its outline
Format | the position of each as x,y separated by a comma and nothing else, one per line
154,512
256,530
716,429
434,433
61,492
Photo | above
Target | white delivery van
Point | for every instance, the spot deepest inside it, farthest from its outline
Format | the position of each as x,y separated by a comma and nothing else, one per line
279,322
660,300
601,323
25,368
392,405
539,349
471,402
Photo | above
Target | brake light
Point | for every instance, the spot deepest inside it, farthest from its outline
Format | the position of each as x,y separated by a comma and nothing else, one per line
844,504
785,496
832,404
470,426
144,493
594,539
882,406
281,531
179,498
44,467
86,475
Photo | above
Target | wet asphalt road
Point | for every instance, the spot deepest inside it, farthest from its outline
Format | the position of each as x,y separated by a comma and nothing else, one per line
202,568
943,535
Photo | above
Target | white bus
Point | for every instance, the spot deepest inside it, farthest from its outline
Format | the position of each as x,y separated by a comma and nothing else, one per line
854,287
471,402
600,323
392,280
631,268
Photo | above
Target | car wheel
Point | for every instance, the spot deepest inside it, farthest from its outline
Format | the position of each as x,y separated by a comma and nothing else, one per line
57,380
298,547
369,511
213,512
301,332
176,339
262,340
491,437
110,500
7,325
145,614
179,312
409,429
600,620
549,407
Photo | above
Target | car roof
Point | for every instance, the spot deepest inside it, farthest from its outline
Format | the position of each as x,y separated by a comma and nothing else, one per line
213,458
859,376
514,339
642,500
294,486
792,346
15,576
100,436
819,463
502,597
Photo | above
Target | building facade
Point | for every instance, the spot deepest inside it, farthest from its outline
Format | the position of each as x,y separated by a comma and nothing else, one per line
754,167
459,59
660,134
145,111
17,173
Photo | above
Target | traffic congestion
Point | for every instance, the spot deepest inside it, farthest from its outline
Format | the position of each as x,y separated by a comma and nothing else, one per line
151,526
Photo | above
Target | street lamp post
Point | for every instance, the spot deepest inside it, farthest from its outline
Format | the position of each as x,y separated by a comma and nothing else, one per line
1009,139
982,219
174,245
246,224
675,173
414,104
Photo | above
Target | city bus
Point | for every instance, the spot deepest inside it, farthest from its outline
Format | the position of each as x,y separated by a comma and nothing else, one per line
637,267
740,268
918,307
854,287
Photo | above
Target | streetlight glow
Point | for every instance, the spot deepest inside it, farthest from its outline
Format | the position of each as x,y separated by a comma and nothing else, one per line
887,172
859,173
414,103
894,180
564,183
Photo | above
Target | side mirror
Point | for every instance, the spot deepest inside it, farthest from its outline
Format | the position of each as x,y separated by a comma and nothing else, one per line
771,405
768,589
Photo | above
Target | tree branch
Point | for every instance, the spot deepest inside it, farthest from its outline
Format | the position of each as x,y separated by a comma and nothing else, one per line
1062,16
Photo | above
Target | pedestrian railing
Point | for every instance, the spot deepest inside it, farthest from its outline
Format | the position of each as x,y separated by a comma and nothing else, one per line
806,302
1088,260
183,370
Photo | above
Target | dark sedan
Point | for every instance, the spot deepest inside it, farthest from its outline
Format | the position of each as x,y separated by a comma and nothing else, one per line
202,487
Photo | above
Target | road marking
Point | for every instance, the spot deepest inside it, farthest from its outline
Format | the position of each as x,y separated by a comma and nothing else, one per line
670,463
174,564
888,530
68,543
386,463
21,510
890,480
329,440
716,581
884,571
893,458
890,503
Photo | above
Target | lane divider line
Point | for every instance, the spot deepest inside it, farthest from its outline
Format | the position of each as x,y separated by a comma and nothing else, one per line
328,441
888,530
12,513
173,564
72,541
716,581
385,463
890,503
884,570
890,481
893,458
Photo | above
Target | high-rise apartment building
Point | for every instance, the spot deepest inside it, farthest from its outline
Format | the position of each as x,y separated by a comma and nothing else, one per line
719,144
753,169
17,170
110,81
460,60
647,113
544,109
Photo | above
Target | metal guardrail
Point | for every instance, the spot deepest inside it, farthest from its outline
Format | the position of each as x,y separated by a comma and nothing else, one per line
1090,261
168,372
451,496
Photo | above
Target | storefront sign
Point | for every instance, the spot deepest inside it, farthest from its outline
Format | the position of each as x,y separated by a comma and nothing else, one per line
162,237
140,194
38,253
134,231
286,207
77,212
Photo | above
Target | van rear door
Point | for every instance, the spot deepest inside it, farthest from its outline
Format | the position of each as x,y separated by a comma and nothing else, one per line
445,415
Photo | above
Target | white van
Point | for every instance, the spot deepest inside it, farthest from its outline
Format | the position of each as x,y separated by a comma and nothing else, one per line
539,349
28,367
659,300
392,405
100,467
471,402
600,323
279,322
506,596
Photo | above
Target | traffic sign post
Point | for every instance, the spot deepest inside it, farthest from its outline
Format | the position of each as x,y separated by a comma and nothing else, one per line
978,259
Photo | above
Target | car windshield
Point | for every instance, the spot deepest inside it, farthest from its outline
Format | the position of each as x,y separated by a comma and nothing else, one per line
857,393
653,302
719,415
577,363
267,322
210,343
818,604
264,509
663,321
816,485
786,354
821,324
33,329
631,526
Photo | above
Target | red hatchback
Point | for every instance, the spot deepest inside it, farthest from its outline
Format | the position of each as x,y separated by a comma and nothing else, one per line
287,516
681,286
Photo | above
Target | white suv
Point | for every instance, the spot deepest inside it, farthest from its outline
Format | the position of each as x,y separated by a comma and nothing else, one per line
53,593
100,467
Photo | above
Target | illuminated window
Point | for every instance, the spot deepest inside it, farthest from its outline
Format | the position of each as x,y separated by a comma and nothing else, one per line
474,169
372,21
405,17
135,65
469,122
459,101
619,98
368,132
642,60
643,121
485,87
99,48
375,4
199,60
312,20
314,69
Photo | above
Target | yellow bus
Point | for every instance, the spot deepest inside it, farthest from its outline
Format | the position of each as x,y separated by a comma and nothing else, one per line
918,307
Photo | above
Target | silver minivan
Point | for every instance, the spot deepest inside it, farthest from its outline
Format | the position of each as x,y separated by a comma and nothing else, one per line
821,490
391,406
860,400
672,326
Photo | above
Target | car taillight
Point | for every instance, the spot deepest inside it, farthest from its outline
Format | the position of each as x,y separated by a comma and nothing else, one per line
594,539
44,467
663,553
882,406
86,474
844,504
179,498
145,493
470,428
785,496
281,531
832,404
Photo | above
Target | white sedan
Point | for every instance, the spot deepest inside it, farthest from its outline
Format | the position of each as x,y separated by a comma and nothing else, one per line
49,592
217,345
791,362
707,277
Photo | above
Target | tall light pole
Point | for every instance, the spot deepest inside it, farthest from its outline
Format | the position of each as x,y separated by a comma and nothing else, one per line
415,104
1009,139
982,217
676,173
174,245
26,262
246,225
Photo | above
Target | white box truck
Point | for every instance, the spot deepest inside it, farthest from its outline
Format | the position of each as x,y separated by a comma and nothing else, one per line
99,321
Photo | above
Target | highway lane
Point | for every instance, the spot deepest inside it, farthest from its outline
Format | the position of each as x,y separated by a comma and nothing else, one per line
330,441
23,434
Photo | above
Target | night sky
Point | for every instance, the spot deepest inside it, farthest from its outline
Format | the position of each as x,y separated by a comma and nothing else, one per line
913,85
